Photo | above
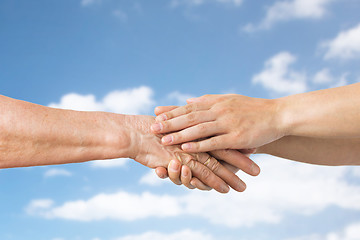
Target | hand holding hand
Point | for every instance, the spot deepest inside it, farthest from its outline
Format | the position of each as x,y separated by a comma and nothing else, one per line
232,160
148,150
225,121
183,174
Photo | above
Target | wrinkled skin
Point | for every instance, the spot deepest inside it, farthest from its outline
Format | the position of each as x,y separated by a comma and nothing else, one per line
148,150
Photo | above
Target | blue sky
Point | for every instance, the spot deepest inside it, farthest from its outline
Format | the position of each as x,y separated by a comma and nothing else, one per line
128,57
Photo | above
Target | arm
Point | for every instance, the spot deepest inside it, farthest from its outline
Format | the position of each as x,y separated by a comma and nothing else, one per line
240,122
334,152
32,135
329,113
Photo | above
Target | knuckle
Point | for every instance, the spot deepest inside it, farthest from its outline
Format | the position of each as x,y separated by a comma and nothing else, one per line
205,173
189,108
168,115
215,166
191,164
202,128
219,110
214,142
177,137
191,118
166,125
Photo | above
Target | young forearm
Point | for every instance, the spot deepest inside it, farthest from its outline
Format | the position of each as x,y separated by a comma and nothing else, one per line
333,151
32,135
329,113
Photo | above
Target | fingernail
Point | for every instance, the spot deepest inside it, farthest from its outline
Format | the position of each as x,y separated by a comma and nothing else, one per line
167,139
186,146
255,169
174,166
225,189
161,117
242,186
157,127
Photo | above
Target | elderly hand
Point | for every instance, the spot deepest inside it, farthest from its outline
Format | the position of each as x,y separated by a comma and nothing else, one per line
225,121
233,160
146,148
183,175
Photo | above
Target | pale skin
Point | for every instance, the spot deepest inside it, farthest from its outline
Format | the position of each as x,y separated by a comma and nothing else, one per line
238,122
34,135
320,127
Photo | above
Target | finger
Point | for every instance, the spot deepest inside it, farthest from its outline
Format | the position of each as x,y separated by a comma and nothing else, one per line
161,109
207,145
174,169
225,174
203,173
237,159
186,177
229,166
199,184
193,107
161,172
192,133
183,121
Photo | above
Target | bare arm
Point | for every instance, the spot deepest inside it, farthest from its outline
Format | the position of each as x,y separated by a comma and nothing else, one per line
334,151
328,113
238,122
32,135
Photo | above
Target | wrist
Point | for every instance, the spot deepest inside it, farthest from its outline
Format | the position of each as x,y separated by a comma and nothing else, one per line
283,117
116,137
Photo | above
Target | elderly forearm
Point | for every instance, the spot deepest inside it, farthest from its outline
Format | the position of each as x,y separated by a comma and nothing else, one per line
334,151
33,135
326,113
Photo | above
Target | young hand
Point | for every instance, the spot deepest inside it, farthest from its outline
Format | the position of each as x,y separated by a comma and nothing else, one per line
214,122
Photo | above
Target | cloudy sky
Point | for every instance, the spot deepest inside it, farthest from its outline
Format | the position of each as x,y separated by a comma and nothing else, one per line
127,56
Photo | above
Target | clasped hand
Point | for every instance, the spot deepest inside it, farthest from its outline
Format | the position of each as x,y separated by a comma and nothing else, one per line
218,122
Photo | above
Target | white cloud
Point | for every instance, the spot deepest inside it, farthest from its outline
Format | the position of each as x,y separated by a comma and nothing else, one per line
356,171
289,10
181,235
150,178
323,76
341,82
120,14
121,206
346,45
54,172
129,101
234,2
283,188
351,232
112,163
194,3
180,98
39,206
86,3
278,77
